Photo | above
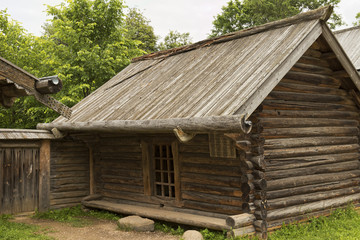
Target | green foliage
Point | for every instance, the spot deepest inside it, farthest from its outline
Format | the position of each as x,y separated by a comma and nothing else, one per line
341,224
89,44
19,231
85,43
168,228
75,216
357,23
175,39
237,14
138,28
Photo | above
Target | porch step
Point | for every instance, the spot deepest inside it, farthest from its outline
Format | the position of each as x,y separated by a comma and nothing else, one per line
160,214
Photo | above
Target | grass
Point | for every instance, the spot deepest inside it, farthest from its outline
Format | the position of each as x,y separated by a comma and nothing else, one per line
341,224
19,231
76,216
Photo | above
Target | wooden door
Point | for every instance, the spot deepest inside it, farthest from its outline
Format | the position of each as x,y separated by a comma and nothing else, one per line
19,179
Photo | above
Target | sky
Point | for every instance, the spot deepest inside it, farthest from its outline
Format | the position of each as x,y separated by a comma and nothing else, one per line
193,16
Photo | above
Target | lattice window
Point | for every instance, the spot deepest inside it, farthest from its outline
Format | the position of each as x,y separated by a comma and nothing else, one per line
164,180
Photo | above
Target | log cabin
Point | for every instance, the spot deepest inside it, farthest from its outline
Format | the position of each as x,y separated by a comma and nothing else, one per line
349,39
25,153
242,132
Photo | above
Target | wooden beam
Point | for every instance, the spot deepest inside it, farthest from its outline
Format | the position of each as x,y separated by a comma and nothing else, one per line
232,123
44,176
48,85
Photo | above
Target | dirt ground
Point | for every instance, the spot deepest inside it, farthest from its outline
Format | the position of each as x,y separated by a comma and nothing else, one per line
98,229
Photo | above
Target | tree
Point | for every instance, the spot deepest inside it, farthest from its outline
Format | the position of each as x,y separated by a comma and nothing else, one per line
357,23
89,44
84,43
237,14
175,39
138,28
28,52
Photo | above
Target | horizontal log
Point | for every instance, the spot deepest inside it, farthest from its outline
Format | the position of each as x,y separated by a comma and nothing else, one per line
211,179
260,184
313,61
211,198
260,226
310,197
311,79
309,132
311,68
247,178
68,187
306,151
309,207
48,85
323,113
217,190
211,170
307,122
269,104
123,187
300,88
121,180
310,179
313,53
240,232
308,97
328,168
232,123
308,142
69,194
223,209
306,161
201,158
328,186
247,188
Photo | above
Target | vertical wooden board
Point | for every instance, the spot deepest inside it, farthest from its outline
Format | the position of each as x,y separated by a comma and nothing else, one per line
36,157
7,206
44,176
28,171
22,181
146,168
15,175
91,170
175,152
1,178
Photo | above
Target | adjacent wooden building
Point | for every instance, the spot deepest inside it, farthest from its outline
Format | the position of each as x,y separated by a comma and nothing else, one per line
349,40
241,132
25,153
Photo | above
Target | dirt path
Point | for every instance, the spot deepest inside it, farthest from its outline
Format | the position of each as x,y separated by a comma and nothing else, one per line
99,229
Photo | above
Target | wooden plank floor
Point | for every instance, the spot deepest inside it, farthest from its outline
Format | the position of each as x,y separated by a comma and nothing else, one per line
160,214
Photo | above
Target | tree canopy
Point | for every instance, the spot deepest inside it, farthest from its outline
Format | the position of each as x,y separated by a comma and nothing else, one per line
138,28
237,14
175,39
357,23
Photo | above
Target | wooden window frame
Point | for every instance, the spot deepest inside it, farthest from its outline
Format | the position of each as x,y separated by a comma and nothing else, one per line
149,171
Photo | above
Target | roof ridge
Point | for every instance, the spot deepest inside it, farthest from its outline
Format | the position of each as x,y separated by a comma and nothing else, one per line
346,29
322,13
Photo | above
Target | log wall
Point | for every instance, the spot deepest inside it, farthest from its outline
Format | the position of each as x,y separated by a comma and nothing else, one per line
310,132
206,184
69,173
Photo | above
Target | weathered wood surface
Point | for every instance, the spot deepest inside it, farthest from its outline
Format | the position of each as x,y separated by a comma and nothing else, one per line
240,220
69,173
19,181
309,129
161,214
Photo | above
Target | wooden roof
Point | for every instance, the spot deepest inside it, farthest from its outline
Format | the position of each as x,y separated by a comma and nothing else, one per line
16,82
224,76
24,134
350,40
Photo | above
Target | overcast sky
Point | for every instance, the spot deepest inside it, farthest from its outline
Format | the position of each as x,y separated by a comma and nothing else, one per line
193,16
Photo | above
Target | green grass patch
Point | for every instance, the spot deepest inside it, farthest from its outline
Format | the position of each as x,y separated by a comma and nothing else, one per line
19,231
341,224
76,216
